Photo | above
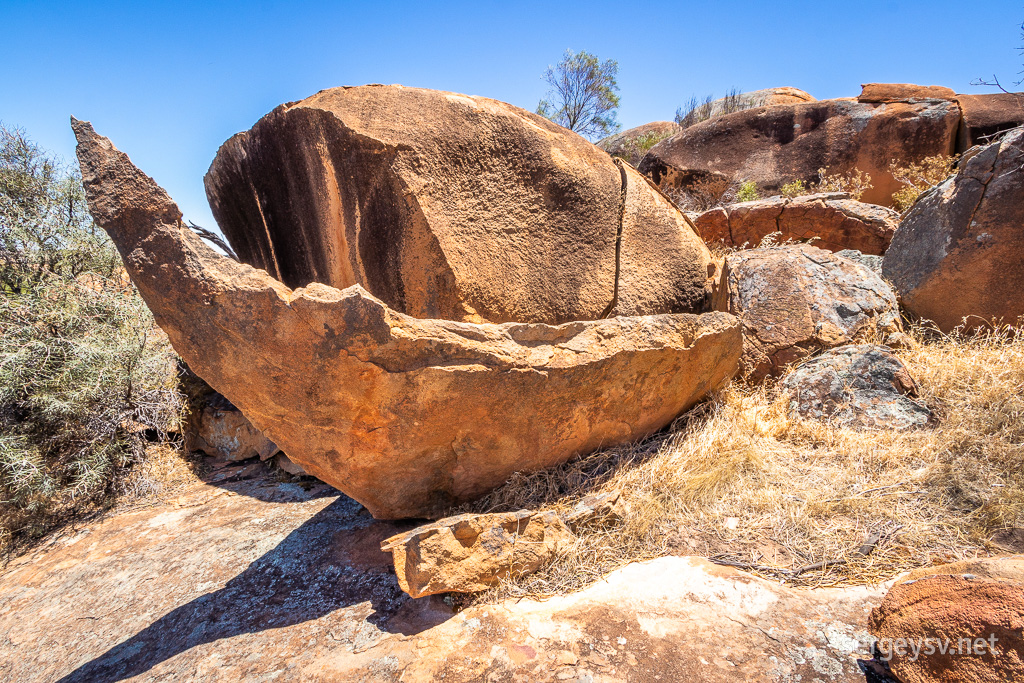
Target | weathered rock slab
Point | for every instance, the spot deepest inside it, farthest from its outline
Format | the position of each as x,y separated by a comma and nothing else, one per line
956,622
470,553
796,300
442,205
958,255
903,92
863,386
408,416
260,580
831,221
988,114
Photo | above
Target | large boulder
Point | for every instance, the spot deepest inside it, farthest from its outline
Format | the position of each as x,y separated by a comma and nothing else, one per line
956,622
986,115
447,206
407,416
735,101
795,300
832,220
862,386
775,145
958,255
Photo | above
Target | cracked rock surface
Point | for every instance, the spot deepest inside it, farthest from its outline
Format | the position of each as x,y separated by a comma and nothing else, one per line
795,300
443,205
958,255
833,220
408,416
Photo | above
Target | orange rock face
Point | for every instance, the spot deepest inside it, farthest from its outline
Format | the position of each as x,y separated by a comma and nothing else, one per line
833,221
985,115
902,92
408,416
964,619
775,145
958,255
446,206
795,300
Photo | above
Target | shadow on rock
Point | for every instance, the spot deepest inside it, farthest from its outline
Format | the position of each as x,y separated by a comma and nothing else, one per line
314,571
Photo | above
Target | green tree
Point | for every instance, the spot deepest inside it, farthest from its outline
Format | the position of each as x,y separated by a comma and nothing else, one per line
583,95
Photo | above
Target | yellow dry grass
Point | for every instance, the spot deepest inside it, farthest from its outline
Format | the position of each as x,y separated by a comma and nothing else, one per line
741,481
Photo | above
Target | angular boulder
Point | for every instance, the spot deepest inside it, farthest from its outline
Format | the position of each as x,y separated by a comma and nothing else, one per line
470,553
833,220
862,386
407,416
958,255
795,300
446,206
956,622
776,145
986,115
223,431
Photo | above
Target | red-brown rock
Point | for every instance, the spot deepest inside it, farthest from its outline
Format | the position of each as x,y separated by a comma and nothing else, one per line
985,115
775,145
958,255
833,221
939,624
903,92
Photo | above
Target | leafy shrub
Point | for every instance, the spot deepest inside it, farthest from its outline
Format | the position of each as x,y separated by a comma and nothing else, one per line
747,192
86,379
918,177
795,188
854,183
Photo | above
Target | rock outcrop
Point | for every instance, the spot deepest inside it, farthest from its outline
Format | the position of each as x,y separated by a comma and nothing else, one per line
956,622
775,145
449,206
958,255
260,580
223,431
889,93
470,553
795,300
833,220
986,115
863,386
407,416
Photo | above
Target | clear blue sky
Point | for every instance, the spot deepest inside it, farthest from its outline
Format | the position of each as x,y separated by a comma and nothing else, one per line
169,82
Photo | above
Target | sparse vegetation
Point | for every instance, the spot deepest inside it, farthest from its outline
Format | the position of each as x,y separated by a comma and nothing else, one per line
634,149
703,194
583,94
854,183
697,110
87,382
747,192
740,480
795,188
918,177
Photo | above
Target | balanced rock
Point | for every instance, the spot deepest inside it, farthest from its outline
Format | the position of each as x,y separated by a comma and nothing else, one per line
970,613
772,146
470,553
449,206
958,255
864,386
407,416
832,220
795,300
986,115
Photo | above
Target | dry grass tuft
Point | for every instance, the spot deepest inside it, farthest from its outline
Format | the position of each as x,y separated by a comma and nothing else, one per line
739,480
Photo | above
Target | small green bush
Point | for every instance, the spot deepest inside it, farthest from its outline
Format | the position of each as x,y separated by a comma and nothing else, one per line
747,192
795,188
